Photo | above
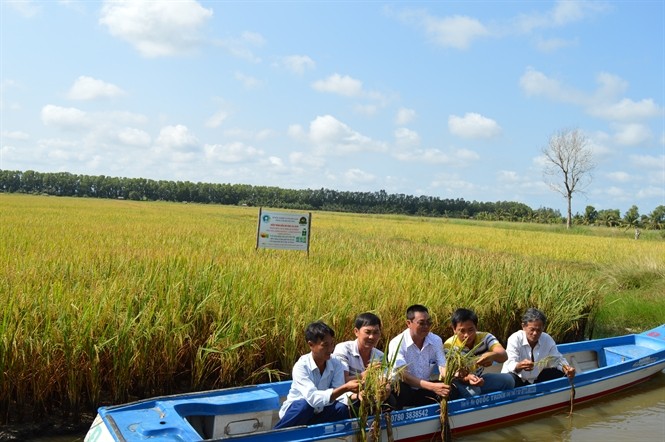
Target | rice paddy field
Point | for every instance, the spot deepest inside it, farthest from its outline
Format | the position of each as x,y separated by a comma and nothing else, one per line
106,301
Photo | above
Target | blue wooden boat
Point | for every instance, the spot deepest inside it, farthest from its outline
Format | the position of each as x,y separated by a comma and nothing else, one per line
604,366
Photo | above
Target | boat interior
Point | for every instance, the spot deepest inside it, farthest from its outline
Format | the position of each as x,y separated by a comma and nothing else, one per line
258,411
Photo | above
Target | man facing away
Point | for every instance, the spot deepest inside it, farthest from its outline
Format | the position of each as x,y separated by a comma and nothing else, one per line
318,389
419,352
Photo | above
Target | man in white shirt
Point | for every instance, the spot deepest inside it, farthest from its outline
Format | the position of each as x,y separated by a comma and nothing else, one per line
420,352
530,345
318,389
357,355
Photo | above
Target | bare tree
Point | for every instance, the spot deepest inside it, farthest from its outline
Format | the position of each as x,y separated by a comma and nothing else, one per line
569,164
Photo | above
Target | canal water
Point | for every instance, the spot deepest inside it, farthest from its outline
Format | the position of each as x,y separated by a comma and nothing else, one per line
634,415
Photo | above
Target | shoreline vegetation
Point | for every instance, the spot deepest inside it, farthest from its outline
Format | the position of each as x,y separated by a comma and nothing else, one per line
107,301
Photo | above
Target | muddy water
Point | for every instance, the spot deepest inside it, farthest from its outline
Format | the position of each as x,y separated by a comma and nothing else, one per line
634,415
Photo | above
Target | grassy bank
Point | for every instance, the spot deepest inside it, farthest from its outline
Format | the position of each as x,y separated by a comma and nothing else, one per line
109,300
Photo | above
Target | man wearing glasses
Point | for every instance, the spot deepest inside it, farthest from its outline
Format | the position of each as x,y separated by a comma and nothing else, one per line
419,352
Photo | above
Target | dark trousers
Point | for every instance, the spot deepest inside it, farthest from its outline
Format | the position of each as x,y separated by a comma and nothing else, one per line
301,413
409,397
547,374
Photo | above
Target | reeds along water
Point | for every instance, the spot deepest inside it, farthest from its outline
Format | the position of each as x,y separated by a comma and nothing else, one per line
105,301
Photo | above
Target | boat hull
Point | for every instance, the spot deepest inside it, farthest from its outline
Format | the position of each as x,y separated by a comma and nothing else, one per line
248,413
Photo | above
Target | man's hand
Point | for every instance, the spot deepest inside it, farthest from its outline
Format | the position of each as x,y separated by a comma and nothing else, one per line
485,360
526,364
474,380
439,388
352,386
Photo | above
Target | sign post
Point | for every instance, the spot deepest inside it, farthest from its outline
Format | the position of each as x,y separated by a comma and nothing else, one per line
283,230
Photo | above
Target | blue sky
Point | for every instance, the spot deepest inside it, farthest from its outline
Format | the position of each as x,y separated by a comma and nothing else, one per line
447,99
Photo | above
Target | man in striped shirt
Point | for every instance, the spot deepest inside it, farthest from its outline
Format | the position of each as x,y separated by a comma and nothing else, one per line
486,347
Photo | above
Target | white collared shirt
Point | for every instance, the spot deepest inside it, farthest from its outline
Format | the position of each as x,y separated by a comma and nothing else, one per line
315,387
348,354
420,362
518,349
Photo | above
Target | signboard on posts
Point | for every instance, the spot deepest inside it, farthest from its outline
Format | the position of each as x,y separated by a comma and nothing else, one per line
283,230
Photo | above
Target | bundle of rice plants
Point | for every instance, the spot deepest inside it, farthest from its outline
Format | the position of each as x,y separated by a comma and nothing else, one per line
459,362
377,382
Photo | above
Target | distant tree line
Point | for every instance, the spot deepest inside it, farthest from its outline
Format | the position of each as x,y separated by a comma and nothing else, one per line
380,202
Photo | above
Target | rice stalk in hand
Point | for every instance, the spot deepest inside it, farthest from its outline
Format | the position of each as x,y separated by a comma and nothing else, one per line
547,361
459,361
553,361
376,384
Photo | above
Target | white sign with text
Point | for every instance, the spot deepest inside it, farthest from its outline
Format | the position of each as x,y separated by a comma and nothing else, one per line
283,230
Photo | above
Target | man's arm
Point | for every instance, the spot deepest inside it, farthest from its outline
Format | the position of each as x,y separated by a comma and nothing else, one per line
562,363
437,387
512,355
496,354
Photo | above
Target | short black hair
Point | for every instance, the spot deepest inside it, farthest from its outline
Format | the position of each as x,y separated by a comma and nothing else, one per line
367,319
411,311
532,315
316,331
462,315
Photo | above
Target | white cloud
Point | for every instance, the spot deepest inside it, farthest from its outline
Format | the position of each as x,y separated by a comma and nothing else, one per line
264,134
121,117
306,160
232,153
88,88
366,109
452,184
651,192
177,138
406,137
632,134
329,135
357,176
507,176
563,13
602,103
253,38
298,64
15,135
466,155
133,137
64,117
27,8
156,28
473,125
628,110
458,158
540,161
553,44
621,177
535,83
460,31
648,161
404,116
216,119
296,132
456,32
617,193
242,47
337,84
247,81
